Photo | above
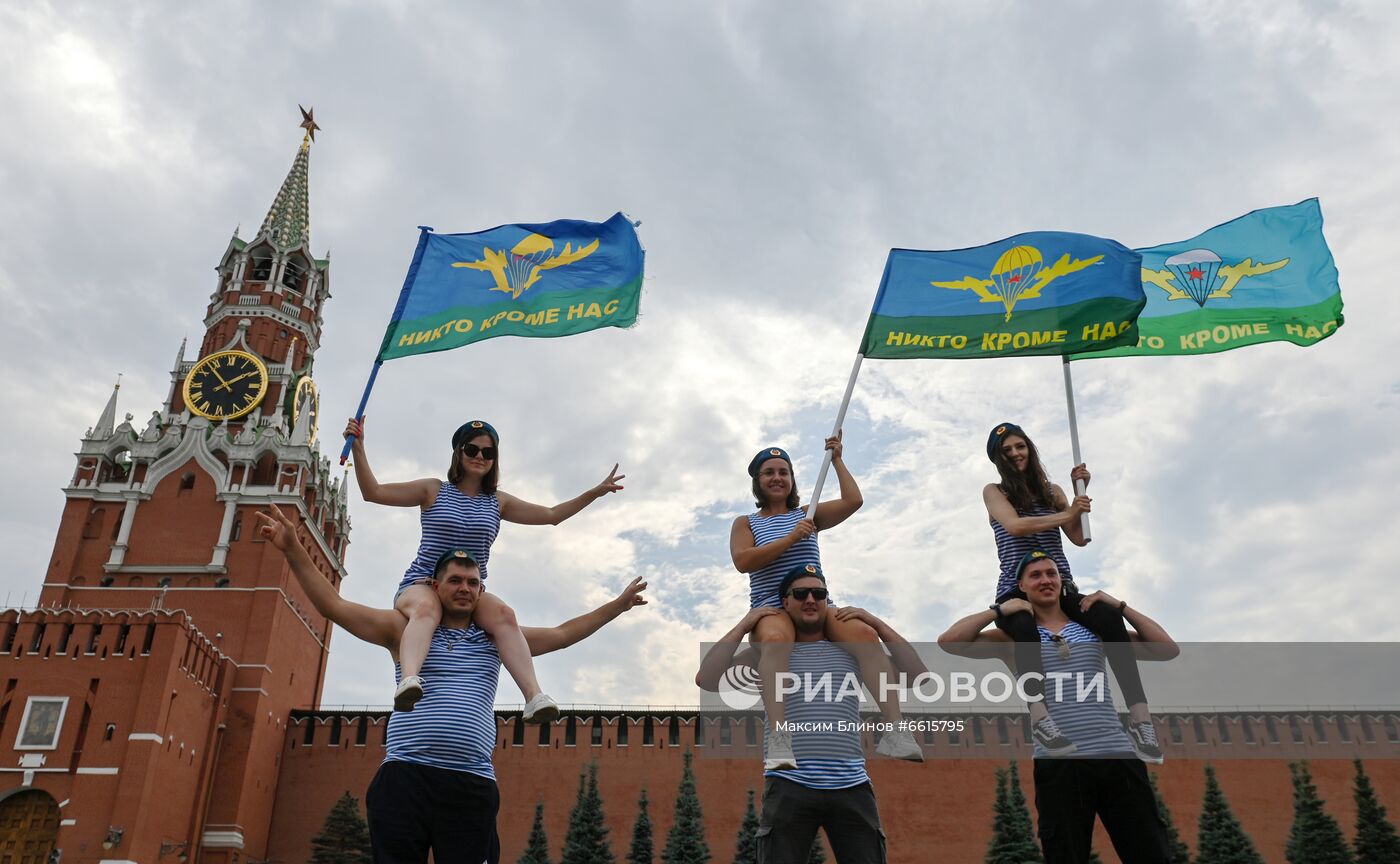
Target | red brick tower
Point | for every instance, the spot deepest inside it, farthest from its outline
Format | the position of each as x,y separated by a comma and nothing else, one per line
146,699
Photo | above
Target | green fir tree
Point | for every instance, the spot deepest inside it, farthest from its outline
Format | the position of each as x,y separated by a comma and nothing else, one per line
1024,826
818,855
537,847
1315,838
1177,853
685,844
1012,839
1376,840
344,837
998,848
1221,838
641,851
587,840
746,843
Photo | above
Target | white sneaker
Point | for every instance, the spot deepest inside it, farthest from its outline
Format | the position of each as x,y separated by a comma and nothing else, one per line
540,709
409,691
780,756
900,745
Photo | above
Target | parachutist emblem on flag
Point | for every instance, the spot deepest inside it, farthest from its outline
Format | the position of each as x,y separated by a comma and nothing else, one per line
517,270
1019,274
1200,275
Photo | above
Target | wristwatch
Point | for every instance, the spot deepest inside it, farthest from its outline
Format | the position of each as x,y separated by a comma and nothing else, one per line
996,607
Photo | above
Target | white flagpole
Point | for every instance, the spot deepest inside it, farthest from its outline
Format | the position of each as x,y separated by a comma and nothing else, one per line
1074,442
840,418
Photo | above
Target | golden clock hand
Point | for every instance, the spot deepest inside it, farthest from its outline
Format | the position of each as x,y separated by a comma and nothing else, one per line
233,381
223,385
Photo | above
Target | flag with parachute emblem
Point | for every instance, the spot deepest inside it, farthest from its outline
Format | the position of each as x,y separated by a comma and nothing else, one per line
540,280
1044,292
1267,276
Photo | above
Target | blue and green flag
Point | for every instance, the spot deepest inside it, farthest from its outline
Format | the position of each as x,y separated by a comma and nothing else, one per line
1045,292
1267,276
554,279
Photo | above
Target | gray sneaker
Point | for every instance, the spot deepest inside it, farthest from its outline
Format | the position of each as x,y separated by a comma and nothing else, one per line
900,745
780,756
540,709
409,691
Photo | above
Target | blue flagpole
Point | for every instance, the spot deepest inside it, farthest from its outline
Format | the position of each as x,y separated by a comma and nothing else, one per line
360,412
423,232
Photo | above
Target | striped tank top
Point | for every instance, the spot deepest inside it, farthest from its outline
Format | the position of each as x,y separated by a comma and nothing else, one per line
455,521
454,725
1010,549
763,583
1083,710
827,756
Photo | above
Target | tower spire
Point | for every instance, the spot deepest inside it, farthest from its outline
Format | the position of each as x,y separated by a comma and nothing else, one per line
105,423
288,221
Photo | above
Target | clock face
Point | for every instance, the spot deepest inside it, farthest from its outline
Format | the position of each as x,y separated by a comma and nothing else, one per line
225,385
306,399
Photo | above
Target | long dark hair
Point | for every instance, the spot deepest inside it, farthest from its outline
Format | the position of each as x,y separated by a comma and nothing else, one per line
1024,489
488,483
793,500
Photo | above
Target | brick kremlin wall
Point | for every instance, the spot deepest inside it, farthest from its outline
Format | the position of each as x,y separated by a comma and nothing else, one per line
938,811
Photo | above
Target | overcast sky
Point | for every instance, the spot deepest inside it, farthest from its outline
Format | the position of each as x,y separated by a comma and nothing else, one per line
774,153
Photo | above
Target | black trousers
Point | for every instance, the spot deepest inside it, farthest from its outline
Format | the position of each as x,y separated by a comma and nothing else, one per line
1105,621
792,814
413,808
1069,793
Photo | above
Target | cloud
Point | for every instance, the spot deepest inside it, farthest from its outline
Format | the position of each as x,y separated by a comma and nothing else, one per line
773,159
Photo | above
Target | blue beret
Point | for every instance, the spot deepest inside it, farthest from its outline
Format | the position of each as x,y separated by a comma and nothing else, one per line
999,434
461,555
1026,559
471,429
801,571
765,455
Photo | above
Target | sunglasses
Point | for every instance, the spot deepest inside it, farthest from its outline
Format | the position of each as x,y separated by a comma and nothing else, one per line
804,593
1061,646
472,451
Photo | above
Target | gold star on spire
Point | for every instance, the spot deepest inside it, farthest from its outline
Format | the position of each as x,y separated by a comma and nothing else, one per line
308,122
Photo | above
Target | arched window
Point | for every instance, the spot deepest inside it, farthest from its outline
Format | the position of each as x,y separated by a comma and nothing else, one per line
121,466
93,526
292,274
260,265
265,472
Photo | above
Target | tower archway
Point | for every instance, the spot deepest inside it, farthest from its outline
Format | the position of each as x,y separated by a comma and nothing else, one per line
28,826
